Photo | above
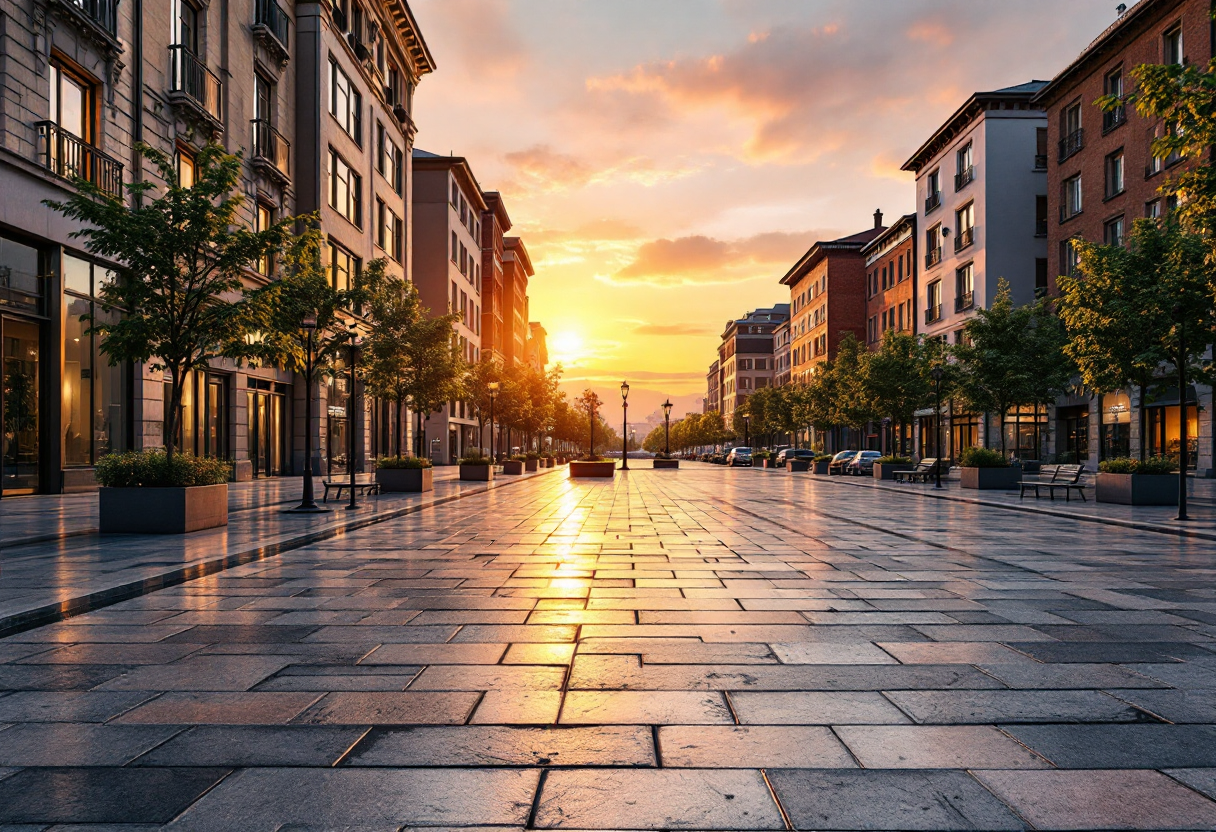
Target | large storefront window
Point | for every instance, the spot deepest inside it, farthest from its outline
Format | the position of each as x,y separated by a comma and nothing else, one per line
268,426
929,439
21,293
1074,433
94,392
964,431
336,438
1025,430
1163,428
1116,425
203,430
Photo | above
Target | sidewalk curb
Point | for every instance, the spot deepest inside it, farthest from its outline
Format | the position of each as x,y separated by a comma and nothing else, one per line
52,613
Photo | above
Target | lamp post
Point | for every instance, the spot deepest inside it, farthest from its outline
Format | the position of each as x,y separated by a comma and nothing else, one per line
936,372
747,431
1182,449
493,388
625,426
667,428
308,501
351,410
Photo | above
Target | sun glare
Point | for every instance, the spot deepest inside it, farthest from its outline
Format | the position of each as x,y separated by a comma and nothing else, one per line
566,348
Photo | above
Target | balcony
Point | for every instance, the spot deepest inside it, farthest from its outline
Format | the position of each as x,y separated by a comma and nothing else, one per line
964,177
99,15
964,301
272,26
360,48
1040,227
933,314
195,87
933,201
932,257
1072,143
69,156
1113,118
964,239
271,152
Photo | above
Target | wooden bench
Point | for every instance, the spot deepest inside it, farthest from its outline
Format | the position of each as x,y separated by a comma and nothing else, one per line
361,488
1052,477
924,471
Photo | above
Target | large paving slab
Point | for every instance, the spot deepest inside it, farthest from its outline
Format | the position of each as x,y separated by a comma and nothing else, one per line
702,649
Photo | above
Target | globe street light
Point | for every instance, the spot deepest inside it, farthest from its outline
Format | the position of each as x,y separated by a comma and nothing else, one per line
493,388
667,428
625,426
351,410
936,372
308,502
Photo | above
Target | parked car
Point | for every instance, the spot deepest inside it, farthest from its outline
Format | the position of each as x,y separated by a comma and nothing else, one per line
863,463
740,456
793,453
840,462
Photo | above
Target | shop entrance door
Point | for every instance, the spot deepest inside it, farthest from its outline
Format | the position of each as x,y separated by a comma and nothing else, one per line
267,428
19,383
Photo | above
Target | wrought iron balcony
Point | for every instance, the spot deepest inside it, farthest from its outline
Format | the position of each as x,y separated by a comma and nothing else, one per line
272,26
964,301
933,256
100,14
933,314
1072,143
271,152
195,86
69,156
932,201
1113,118
964,177
965,239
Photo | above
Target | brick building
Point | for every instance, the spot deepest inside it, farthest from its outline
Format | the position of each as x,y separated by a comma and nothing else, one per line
890,260
1101,176
516,269
713,387
745,356
495,223
781,355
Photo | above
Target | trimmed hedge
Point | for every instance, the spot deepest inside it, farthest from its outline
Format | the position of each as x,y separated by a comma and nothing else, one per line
1128,465
402,462
153,469
976,457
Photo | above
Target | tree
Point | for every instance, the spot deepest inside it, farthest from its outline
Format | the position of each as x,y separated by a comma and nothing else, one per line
1011,356
477,383
387,371
438,367
590,403
896,380
850,404
184,251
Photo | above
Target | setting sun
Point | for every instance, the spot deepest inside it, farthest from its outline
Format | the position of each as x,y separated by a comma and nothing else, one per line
566,348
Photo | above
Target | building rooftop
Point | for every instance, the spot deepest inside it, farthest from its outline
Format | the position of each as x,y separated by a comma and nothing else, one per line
853,242
1112,37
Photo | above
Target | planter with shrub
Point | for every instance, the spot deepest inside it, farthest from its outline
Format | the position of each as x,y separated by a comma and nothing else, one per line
149,493
762,459
820,465
531,461
592,466
666,461
477,467
886,466
794,465
987,470
1130,482
405,473
514,465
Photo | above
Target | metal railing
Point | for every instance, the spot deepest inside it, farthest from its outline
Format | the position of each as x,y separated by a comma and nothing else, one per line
269,15
964,177
933,256
1040,161
1113,118
964,239
933,314
102,13
269,145
1071,143
193,80
1040,227
69,156
966,300
932,201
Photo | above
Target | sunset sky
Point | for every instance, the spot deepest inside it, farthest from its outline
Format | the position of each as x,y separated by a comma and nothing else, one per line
666,161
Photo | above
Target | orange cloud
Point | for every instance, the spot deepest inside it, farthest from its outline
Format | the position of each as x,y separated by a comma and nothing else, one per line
699,259
672,329
541,168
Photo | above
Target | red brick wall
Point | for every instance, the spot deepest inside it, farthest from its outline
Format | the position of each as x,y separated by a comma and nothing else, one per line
846,298
901,292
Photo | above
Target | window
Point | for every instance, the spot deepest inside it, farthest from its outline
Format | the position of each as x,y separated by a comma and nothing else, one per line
1114,88
1040,148
1152,209
454,198
464,260
184,162
345,189
262,221
455,248
761,363
1114,174
389,231
1171,52
345,102
964,287
1155,163
1070,199
188,28
390,160
72,103
964,166
745,363
964,226
1040,277
1113,232
1068,258
1040,216
933,246
263,98
343,268
1072,138
933,303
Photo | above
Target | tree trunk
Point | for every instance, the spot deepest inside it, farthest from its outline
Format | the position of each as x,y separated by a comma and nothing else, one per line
1144,424
1001,418
173,417
399,433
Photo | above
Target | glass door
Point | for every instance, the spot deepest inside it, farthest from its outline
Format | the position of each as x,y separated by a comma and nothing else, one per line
19,384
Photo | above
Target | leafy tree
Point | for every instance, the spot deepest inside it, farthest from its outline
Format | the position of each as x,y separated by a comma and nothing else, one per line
590,404
477,382
896,380
184,251
1011,356
851,406
387,370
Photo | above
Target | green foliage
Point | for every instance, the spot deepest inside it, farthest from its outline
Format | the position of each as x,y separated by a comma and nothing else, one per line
823,457
976,457
893,460
156,469
1126,465
851,405
402,462
474,456
519,457
762,454
896,380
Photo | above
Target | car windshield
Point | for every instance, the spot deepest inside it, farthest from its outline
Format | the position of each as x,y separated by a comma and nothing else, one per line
871,454
845,455
743,450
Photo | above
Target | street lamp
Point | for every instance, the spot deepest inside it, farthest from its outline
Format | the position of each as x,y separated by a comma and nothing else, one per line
936,372
747,431
625,426
1182,449
308,501
351,410
493,388
667,428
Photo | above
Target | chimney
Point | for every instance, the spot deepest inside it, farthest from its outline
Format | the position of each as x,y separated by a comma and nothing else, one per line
878,219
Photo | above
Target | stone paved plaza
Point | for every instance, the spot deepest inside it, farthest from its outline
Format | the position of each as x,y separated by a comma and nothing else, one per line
695,649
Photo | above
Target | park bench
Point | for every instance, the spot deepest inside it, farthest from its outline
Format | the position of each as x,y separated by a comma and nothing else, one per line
1053,477
361,488
924,471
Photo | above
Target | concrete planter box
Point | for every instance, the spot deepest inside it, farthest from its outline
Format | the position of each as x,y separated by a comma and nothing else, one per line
513,466
991,479
667,463
1138,489
820,468
579,468
887,471
531,465
477,473
163,510
406,479
795,465
546,463
764,463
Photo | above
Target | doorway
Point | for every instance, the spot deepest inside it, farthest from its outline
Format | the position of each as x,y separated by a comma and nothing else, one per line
267,403
20,380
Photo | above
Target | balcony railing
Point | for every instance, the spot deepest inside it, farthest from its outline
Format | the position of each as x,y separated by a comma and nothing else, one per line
932,201
1071,143
965,239
965,300
933,256
196,85
1040,161
933,314
69,156
1113,118
1040,227
270,150
273,25
100,13
964,177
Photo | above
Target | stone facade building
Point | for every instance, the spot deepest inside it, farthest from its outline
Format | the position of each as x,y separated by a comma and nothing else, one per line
745,356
